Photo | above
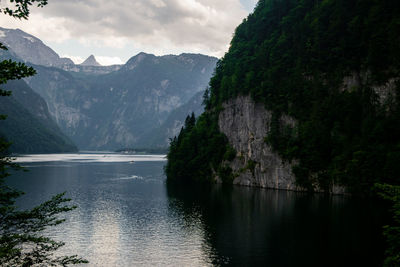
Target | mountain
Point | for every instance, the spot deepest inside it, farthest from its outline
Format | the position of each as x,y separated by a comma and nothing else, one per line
112,107
115,110
83,70
29,125
90,61
160,137
307,98
30,49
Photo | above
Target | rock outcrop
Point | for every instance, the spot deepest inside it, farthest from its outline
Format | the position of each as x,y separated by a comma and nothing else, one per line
246,124
385,91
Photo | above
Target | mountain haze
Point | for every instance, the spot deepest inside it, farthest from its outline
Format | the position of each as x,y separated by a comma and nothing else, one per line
160,137
29,125
115,110
113,107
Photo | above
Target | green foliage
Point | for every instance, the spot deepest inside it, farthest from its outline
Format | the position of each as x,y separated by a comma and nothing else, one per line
196,154
226,175
20,8
11,70
21,242
293,56
230,153
391,232
251,165
21,239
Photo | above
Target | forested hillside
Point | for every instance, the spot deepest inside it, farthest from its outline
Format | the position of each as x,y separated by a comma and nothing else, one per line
29,126
333,67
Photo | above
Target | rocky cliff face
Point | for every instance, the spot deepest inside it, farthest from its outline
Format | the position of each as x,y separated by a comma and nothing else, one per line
385,91
337,81
246,124
119,109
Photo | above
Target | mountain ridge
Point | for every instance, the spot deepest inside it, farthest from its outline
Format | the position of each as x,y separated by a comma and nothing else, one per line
130,101
90,61
113,107
22,43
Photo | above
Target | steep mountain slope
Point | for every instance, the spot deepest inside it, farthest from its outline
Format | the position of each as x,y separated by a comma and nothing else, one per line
29,125
307,98
110,107
114,110
160,137
30,49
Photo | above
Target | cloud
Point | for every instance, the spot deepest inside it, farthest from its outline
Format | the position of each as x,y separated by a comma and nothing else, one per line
153,26
75,59
105,61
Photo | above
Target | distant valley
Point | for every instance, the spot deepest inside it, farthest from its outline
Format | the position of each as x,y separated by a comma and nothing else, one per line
142,103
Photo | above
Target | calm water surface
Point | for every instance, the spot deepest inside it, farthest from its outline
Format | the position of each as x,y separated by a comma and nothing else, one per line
128,216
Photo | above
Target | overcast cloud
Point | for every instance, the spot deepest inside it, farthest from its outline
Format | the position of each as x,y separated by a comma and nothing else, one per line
114,30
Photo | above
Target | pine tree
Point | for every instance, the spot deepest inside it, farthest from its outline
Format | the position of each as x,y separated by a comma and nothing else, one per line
21,239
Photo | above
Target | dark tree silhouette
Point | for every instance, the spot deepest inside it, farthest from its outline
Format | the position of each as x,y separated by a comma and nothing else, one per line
21,239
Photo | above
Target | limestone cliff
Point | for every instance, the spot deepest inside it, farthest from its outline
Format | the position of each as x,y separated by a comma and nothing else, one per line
246,124
338,79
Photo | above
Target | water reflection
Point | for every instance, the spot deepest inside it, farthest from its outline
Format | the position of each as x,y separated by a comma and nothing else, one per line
128,216
122,217
247,226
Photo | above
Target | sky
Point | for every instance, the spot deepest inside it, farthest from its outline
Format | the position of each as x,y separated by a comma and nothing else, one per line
116,30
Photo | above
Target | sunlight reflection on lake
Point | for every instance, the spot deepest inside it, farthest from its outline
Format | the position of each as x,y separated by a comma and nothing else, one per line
128,215
88,157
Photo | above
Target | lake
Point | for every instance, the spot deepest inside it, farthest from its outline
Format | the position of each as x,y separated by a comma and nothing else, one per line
128,216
